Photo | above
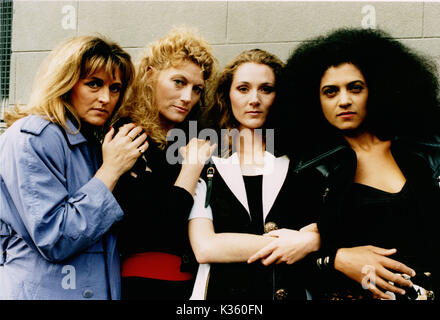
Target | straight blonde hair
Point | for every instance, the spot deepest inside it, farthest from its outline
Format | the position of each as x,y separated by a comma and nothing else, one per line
71,61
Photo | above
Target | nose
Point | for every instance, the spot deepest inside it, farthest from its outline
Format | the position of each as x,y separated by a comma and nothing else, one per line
104,95
186,94
254,99
344,99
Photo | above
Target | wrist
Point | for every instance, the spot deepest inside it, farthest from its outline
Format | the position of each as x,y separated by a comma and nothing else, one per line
315,241
327,262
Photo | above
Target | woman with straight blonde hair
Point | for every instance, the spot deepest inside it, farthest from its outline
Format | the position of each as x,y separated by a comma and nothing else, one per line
172,79
56,201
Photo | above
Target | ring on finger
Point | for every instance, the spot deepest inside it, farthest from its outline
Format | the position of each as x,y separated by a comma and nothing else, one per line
141,150
132,138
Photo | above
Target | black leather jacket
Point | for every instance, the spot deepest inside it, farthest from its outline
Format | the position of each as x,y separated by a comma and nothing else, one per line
336,163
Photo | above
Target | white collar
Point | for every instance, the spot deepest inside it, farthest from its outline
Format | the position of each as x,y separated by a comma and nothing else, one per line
274,174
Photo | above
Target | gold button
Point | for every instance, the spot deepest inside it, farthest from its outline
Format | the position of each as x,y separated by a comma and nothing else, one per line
281,294
270,226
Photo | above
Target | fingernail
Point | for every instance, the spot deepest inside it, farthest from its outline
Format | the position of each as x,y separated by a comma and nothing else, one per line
402,292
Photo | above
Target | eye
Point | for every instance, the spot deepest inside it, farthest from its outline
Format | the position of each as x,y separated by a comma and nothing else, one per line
179,82
330,92
267,89
356,88
243,89
115,88
94,84
198,90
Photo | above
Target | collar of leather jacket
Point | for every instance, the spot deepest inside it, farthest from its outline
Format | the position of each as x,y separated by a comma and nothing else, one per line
331,150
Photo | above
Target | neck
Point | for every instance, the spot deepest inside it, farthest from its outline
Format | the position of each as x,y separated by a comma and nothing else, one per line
365,141
166,125
251,147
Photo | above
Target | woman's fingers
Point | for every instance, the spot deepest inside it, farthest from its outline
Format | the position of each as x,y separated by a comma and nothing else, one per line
143,147
389,276
262,253
397,266
382,251
377,292
109,135
134,132
125,129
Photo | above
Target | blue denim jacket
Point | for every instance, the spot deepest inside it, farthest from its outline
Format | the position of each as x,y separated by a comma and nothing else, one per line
54,216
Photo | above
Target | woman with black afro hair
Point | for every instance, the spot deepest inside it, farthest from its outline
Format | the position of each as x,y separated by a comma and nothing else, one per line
363,110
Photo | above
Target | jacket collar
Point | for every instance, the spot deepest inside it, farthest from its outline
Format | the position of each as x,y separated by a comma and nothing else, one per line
74,136
274,173
429,149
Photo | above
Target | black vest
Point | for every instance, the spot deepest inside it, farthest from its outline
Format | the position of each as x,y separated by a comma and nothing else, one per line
244,281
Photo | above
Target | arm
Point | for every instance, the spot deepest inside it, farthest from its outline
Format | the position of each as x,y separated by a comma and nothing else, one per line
289,246
211,247
371,267
120,153
194,154
62,212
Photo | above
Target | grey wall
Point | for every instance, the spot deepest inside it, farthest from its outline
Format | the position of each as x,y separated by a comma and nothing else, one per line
230,26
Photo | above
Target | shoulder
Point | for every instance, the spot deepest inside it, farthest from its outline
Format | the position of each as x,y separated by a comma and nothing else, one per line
33,128
34,134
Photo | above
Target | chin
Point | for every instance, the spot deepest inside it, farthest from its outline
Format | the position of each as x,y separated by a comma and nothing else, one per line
96,122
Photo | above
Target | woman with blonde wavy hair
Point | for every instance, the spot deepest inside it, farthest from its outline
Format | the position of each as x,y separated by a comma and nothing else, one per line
172,79
56,201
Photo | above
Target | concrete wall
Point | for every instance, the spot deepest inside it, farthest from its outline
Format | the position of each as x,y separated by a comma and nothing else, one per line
230,26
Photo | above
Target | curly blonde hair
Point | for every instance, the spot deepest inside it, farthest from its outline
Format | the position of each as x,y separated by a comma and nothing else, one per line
74,59
177,47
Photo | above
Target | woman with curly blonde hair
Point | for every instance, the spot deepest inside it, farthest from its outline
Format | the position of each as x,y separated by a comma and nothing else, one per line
172,78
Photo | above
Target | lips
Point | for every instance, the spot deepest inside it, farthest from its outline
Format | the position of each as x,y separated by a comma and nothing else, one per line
100,110
346,114
254,112
181,109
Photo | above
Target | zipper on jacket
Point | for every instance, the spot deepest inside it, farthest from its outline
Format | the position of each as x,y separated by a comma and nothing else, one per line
317,159
324,195
209,175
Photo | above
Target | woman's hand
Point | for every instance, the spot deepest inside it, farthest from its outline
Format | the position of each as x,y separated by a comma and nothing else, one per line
289,247
195,154
120,152
370,266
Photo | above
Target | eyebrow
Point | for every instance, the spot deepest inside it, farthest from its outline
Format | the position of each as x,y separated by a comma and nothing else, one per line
261,84
100,79
350,83
179,75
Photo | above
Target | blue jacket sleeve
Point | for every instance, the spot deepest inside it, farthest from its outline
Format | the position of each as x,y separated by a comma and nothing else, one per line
63,208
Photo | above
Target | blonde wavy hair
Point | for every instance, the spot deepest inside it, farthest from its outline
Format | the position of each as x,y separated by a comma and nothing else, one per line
74,59
179,46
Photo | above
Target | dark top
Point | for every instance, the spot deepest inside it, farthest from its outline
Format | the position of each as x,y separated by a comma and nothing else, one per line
155,211
386,219
296,206
254,187
404,220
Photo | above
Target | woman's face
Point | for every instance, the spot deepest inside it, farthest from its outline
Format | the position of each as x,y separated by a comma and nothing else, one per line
252,93
95,97
177,90
344,94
